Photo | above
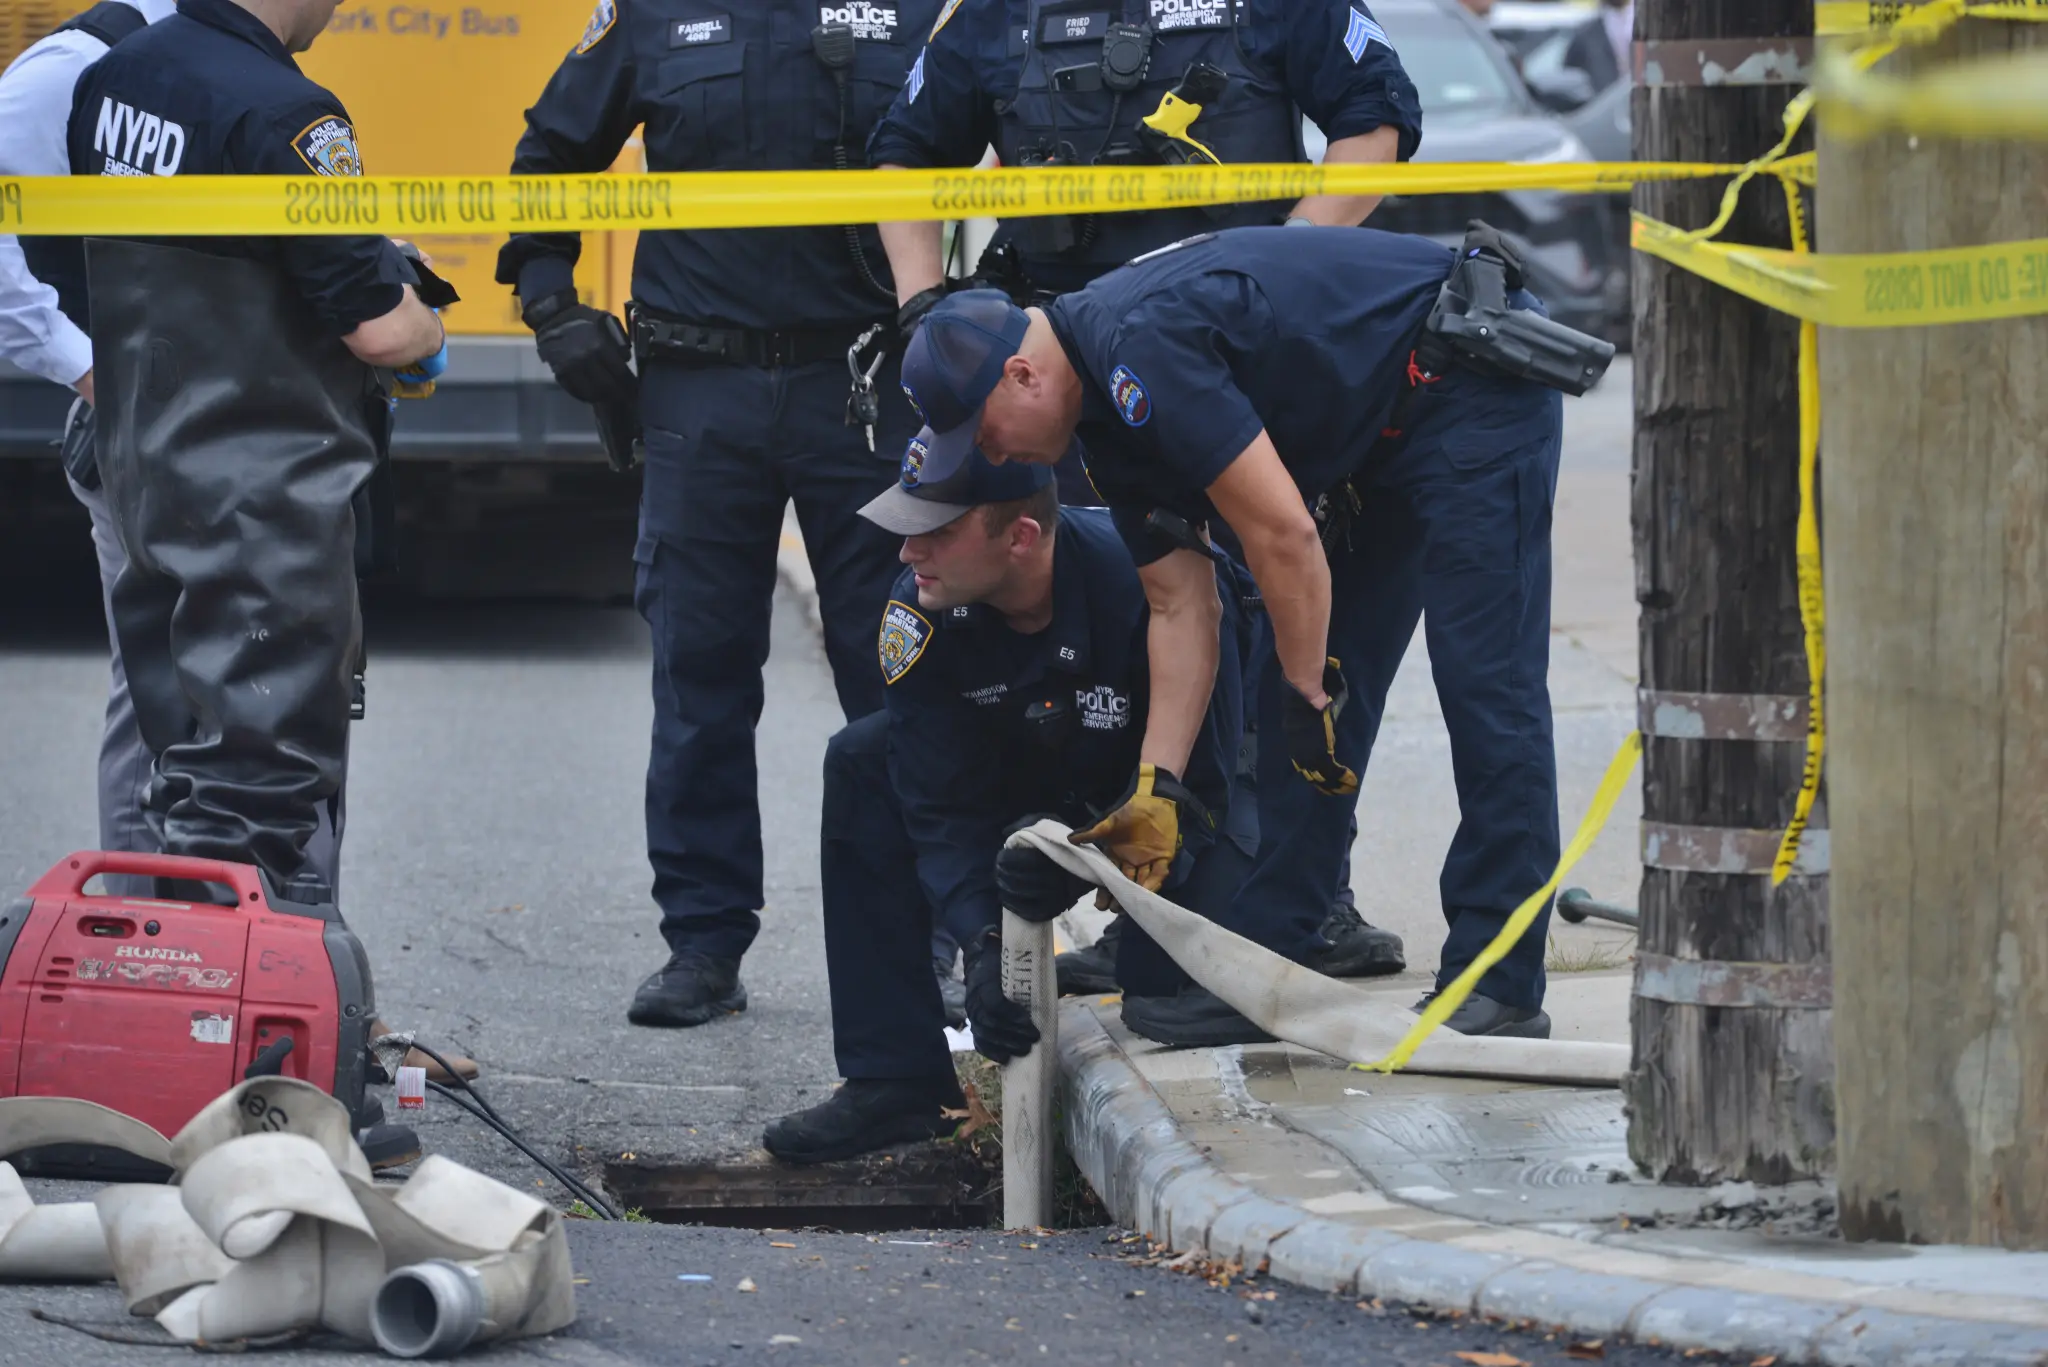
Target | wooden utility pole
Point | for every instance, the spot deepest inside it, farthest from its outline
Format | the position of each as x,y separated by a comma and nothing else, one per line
1732,1071
1936,554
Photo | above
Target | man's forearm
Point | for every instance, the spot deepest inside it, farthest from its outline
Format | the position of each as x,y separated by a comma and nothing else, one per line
1182,645
1348,211
916,253
1294,582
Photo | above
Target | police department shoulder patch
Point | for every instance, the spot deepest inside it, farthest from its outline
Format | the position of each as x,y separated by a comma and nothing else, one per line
601,20
904,634
944,15
328,145
1133,404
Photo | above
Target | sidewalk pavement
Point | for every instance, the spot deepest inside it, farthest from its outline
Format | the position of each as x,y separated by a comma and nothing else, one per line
1502,1198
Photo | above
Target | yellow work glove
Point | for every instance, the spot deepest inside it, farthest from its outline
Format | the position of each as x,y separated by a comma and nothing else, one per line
1312,735
1142,833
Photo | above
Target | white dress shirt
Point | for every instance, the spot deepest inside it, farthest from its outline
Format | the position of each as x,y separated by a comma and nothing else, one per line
35,108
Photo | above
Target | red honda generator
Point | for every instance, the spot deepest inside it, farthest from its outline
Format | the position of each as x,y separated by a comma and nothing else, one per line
155,1006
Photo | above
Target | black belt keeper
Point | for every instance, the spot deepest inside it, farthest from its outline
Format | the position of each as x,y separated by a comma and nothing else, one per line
668,339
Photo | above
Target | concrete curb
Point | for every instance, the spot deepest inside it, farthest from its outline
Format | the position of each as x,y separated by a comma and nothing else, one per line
1152,1179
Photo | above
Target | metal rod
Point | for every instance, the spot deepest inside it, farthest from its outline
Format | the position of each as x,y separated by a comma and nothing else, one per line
1028,1140
1576,905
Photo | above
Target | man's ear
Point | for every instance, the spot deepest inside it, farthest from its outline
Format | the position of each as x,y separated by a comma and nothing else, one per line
1018,371
1025,533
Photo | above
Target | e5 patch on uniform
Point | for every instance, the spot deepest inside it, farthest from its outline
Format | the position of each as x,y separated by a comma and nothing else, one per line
904,634
601,20
328,145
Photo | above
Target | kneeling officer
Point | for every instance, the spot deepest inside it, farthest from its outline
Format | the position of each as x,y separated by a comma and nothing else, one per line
1014,650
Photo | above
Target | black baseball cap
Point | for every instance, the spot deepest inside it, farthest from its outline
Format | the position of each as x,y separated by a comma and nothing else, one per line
916,505
951,367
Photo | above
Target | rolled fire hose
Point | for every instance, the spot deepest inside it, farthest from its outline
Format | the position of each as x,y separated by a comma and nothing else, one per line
277,1225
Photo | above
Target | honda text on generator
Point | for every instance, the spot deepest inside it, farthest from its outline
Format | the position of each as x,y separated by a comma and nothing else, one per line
155,1006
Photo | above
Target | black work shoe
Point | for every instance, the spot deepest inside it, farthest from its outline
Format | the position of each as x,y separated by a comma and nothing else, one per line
1354,948
388,1146
865,1115
952,990
1090,972
1192,1016
689,989
1481,1015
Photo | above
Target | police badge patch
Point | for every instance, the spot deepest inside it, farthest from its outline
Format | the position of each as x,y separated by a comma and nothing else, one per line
328,145
601,20
944,15
904,633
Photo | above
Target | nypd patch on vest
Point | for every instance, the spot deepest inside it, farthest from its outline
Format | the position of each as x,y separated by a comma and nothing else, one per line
904,634
1172,16
328,145
1127,392
872,23
601,20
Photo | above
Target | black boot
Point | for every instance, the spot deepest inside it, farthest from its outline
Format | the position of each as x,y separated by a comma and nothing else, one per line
865,1115
1190,1017
1480,1015
1090,972
689,989
1356,949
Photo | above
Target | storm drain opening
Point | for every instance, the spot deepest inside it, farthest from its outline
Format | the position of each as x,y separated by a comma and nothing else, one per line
938,1186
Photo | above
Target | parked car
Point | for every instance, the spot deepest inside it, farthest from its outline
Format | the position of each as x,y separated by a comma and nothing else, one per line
1476,107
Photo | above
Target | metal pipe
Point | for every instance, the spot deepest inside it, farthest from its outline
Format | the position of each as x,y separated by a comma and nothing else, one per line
1028,1140
1576,905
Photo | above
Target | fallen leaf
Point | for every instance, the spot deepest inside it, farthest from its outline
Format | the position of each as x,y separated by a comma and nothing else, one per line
1589,1350
1769,1360
747,1284
1491,1359
782,1339
977,1116
779,1244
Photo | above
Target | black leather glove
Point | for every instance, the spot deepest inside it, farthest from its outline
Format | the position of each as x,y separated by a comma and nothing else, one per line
1031,883
1484,237
586,348
1003,1029
1312,735
915,308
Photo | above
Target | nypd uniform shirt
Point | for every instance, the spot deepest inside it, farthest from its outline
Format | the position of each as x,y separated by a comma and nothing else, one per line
723,85
988,725
1333,59
211,91
1186,354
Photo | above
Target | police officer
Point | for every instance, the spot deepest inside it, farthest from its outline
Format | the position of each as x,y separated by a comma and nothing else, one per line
1014,654
243,389
744,341
1068,82
1383,438
43,331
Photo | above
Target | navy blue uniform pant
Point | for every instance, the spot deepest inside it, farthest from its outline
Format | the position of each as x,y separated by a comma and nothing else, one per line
886,1018
1454,529
727,448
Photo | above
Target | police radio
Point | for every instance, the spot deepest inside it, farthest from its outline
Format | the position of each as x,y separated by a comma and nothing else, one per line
1473,321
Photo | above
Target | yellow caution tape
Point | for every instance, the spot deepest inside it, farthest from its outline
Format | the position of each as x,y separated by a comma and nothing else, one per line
1889,289
1447,1001
1812,608
228,206
1989,97
1839,18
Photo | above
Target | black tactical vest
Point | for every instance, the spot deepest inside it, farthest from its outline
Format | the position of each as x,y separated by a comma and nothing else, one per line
1067,112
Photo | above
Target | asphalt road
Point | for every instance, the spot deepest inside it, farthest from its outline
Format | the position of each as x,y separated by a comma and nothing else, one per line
901,1300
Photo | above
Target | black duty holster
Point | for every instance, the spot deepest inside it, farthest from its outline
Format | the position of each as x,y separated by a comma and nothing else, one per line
235,433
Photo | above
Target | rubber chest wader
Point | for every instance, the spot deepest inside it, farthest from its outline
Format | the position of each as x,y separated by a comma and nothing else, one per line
1091,71
235,432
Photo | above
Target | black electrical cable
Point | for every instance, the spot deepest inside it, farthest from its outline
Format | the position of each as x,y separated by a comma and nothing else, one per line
489,1115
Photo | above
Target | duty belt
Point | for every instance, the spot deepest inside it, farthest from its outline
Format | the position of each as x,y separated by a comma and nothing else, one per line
658,338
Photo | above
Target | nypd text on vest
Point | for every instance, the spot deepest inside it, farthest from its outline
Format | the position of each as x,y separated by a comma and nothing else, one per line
137,143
